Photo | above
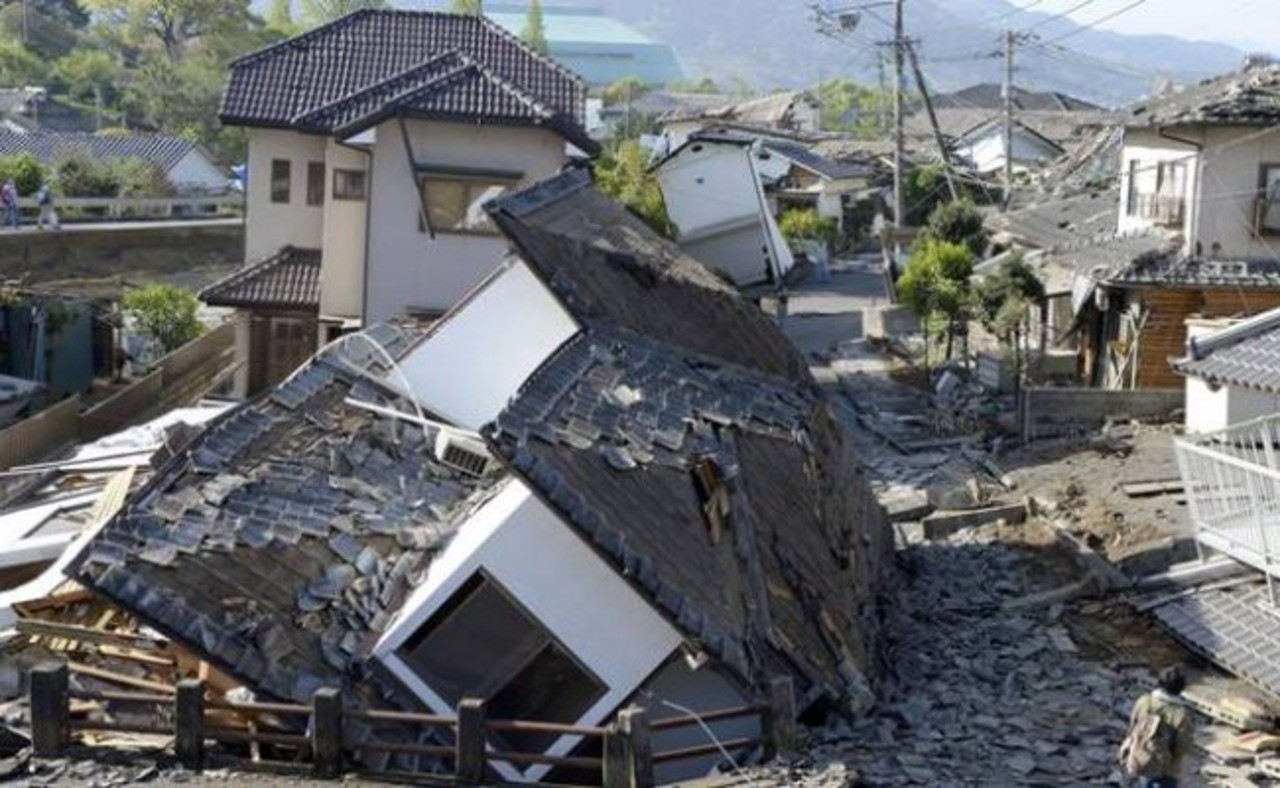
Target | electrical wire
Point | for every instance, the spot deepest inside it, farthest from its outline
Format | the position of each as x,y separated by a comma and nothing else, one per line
1059,15
1098,21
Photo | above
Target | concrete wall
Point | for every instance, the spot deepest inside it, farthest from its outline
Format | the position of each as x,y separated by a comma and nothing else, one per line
342,257
1055,411
408,268
889,321
93,252
1211,410
273,225
196,172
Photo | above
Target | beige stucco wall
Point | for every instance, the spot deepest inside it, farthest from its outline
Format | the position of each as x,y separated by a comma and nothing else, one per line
273,225
342,257
406,267
1230,174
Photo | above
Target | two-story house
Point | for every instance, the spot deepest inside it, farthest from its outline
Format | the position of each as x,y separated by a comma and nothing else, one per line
1200,165
373,142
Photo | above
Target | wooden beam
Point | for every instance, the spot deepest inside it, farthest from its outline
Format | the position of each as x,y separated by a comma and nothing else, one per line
121,679
50,712
83,634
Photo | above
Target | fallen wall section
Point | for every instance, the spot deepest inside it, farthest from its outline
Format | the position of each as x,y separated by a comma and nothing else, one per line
1047,412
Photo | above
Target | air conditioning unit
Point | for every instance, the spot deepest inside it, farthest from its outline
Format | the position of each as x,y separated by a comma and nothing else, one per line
464,454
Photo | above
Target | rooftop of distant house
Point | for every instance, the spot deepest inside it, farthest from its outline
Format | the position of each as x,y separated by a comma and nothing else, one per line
1244,98
990,96
161,150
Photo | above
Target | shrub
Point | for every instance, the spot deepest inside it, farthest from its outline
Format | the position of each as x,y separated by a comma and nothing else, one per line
77,175
165,313
26,171
804,224
958,222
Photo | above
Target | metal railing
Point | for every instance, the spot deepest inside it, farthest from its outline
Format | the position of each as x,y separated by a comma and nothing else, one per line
141,207
1232,483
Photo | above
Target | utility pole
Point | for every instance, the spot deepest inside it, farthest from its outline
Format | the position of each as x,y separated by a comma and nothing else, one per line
882,110
899,45
933,122
1010,41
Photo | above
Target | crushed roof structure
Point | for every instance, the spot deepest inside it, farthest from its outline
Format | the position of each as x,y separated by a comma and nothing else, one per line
1244,98
611,427
1246,354
371,65
289,279
1060,127
773,111
1173,270
1092,164
160,150
280,542
1059,223
990,96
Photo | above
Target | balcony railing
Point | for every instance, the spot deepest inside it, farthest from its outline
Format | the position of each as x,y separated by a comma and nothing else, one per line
1162,209
1232,484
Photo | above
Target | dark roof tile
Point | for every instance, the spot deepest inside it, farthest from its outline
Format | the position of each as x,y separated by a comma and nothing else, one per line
289,279
1248,98
48,146
1246,354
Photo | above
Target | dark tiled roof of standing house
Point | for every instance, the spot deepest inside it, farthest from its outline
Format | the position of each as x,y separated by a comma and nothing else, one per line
289,279
1246,98
671,368
1246,354
281,541
1173,271
990,96
606,265
371,65
816,163
47,146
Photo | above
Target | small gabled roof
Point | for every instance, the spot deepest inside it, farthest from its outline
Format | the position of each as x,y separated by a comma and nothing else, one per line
1244,98
1246,354
805,157
289,279
161,150
374,64
1171,270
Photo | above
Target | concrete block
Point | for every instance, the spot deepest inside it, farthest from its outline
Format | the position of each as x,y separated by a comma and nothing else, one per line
942,524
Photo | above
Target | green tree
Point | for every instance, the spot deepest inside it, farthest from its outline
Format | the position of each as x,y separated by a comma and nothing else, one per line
172,25
87,73
165,313
805,224
471,7
959,222
534,32
77,175
25,170
47,37
924,189
279,18
623,173
19,67
318,12
1004,301
935,283
135,177
623,90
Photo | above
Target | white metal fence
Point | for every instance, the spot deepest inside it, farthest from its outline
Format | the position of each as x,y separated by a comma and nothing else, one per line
142,207
1232,484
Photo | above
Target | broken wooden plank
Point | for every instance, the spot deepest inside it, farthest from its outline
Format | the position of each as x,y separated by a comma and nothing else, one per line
1149,489
942,524
121,679
82,634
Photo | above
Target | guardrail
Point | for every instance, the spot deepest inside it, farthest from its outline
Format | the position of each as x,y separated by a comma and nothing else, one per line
140,207
627,759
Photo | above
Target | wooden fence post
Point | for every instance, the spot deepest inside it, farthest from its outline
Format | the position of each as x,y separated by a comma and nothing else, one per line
616,768
50,709
326,732
188,724
634,724
470,742
778,719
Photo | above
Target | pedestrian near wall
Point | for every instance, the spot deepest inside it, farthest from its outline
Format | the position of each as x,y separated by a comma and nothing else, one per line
1160,734
9,203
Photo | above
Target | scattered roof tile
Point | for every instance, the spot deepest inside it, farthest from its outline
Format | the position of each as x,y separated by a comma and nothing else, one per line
289,279
1246,98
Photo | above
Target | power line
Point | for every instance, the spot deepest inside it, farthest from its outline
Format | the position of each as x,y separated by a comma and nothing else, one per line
1098,21
1060,15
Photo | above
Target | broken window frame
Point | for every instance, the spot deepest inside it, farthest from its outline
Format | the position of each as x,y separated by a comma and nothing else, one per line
508,668
281,181
1131,199
473,219
713,494
1267,211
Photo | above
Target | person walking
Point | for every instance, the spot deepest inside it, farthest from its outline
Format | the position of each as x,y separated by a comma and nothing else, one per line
9,202
44,199
1160,734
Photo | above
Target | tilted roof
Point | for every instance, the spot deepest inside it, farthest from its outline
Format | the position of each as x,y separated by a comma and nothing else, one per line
672,368
370,65
289,279
990,96
1246,354
605,265
48,146
1058,223
279,543
806,157
1245,98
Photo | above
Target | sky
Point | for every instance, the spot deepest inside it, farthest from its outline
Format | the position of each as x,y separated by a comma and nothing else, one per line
1249,24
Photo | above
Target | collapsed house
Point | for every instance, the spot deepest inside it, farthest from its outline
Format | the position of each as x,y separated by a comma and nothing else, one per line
639,495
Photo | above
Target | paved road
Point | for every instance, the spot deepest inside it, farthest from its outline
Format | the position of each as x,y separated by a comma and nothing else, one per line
825,319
